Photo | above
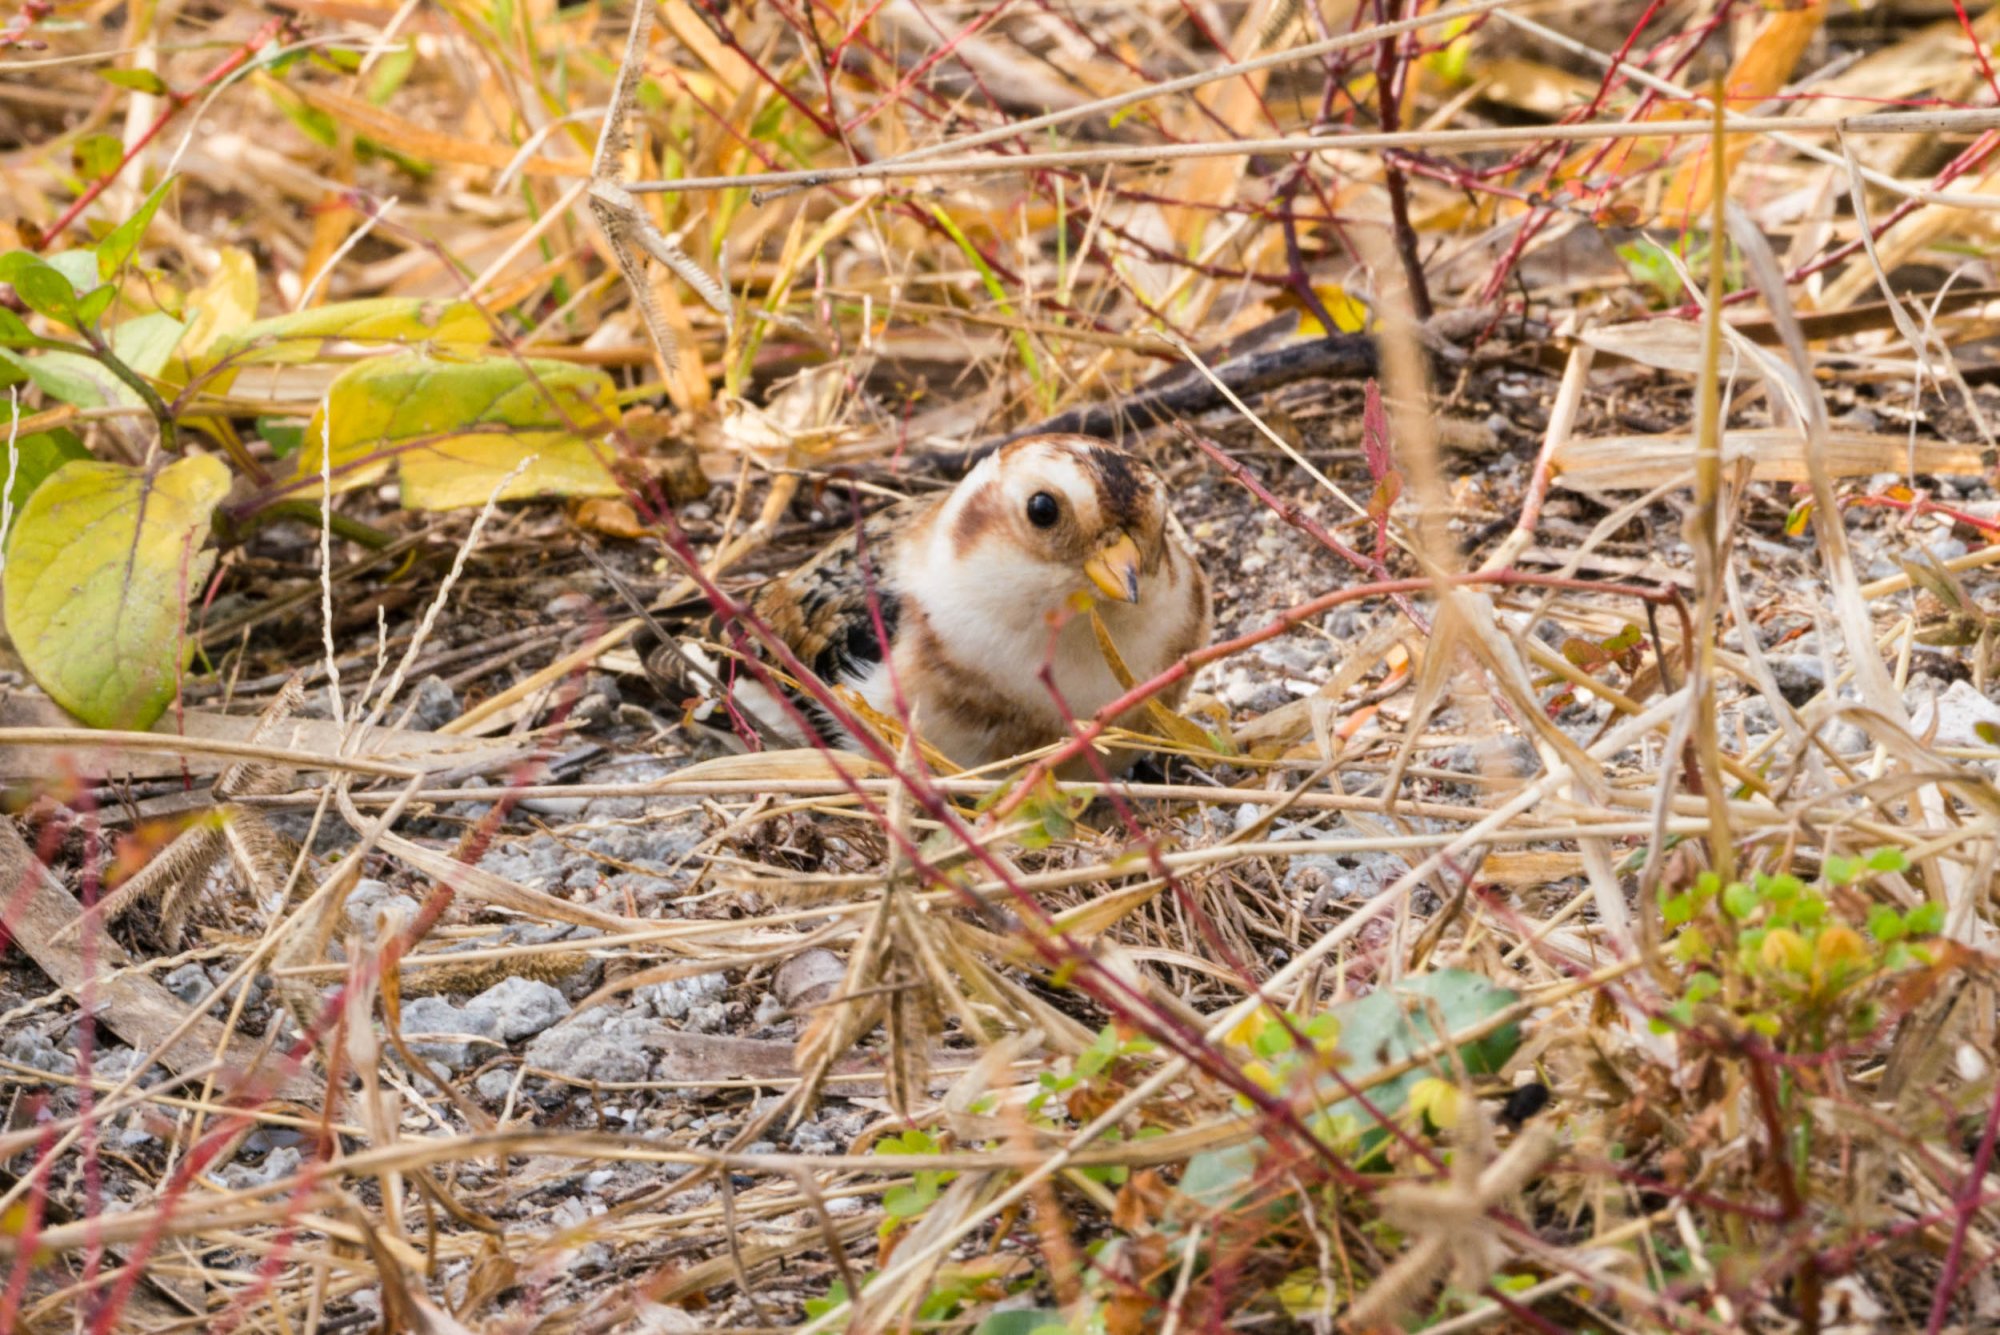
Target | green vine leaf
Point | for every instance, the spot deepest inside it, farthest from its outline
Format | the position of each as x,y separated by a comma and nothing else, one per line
101,565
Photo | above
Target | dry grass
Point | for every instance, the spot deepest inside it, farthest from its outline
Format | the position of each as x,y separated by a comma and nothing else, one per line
981,1040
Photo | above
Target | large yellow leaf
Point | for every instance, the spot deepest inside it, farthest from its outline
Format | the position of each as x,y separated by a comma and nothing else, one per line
226,302
100,567
303,336
456,428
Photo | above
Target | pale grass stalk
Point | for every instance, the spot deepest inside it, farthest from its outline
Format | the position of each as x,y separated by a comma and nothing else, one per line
437,604
1284,446
1497,136
13,469
552,215
1646,79
354,238
335,704
84,739
1704,531
1286,978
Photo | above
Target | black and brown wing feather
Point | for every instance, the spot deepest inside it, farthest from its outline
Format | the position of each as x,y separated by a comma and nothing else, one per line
835,611
838,614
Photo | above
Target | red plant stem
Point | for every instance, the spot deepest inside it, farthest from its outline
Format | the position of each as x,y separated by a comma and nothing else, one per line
16,34
1978,46
29,1229
1389,70
1806,1291
1966,1206
922,67
1289,620
176,103
1286,510
1918,505
1648,99
1301,521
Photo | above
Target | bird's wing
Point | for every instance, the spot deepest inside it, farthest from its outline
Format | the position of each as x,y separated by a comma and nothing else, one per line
838,611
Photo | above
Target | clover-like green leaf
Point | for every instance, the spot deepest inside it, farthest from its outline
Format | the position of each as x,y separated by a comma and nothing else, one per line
101,565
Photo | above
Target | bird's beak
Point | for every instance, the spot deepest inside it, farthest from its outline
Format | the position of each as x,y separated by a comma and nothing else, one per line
1115,568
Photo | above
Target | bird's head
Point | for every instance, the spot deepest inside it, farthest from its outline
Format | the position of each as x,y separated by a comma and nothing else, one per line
1056,515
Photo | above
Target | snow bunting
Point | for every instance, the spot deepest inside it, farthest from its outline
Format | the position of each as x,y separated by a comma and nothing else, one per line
976,593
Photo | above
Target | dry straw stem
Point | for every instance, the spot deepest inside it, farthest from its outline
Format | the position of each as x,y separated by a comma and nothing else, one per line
1279,984
1705,528
1736,120
1437,141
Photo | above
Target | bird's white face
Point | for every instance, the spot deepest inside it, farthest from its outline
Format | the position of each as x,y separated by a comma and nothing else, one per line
1046,518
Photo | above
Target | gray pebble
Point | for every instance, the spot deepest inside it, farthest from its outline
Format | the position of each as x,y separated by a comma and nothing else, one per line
438,1031
521,1007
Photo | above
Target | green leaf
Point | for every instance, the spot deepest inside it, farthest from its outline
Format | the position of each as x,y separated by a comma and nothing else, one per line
41,287
835,1296
1023,1321
1740,901
14,332
91,309
1885,924
305,336
96,156
40,454
1926,919
122,240
143,344
100,569
455,429
79,265
1884,860
72,378
283,434
390,71
911,1200
139,81
1381,1029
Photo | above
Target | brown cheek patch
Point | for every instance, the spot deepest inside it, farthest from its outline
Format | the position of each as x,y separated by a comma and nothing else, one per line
979,518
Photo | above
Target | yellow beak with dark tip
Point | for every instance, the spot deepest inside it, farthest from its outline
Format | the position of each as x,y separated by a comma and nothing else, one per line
1115,569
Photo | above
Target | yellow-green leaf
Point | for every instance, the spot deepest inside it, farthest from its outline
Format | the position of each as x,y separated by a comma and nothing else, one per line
304,336
224,307
33,459
456,428
100,567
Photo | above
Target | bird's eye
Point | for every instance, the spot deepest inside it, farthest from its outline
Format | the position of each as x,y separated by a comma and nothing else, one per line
1043,510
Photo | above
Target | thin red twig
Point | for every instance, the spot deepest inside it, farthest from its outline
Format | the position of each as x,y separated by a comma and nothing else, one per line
176,103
